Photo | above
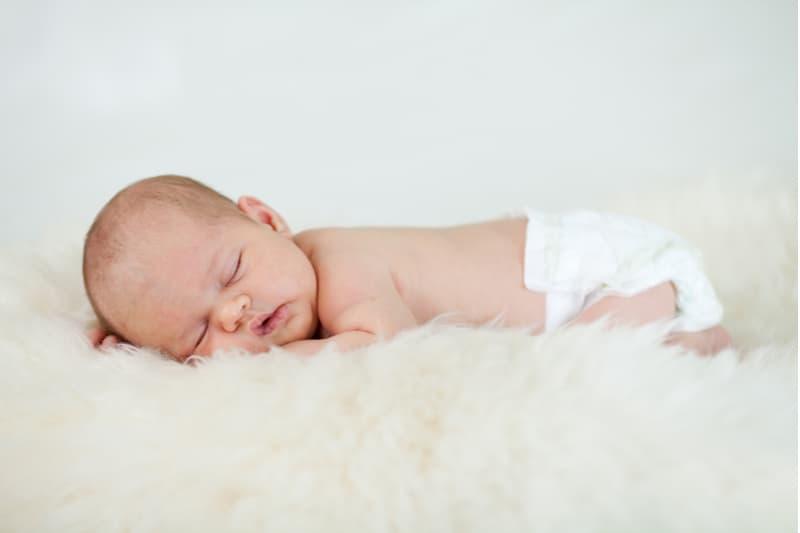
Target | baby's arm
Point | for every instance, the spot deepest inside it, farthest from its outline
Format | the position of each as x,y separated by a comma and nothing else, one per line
656,303
348,340
358,303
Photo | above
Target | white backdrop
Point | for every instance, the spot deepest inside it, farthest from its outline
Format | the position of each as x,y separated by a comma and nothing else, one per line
341,113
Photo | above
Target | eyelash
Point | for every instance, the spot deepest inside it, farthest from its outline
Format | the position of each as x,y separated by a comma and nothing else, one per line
202,336
205,327
236,270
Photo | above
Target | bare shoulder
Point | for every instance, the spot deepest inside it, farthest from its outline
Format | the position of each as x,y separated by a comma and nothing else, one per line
348,270
311,240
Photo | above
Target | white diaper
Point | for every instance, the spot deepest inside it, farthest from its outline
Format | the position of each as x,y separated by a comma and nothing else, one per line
578,257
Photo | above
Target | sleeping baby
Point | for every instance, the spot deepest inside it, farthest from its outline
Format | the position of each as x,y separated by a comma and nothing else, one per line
171,264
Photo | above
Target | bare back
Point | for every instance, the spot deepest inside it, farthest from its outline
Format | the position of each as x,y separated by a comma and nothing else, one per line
473,270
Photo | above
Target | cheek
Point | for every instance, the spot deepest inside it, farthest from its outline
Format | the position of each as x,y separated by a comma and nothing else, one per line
279,273
269,275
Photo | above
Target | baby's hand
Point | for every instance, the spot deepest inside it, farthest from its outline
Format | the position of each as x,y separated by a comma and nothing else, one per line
101,339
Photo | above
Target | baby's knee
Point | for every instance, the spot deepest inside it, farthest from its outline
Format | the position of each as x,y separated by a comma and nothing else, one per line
651,305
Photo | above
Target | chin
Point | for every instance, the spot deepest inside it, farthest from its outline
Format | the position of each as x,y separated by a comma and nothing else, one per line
308,326
300,326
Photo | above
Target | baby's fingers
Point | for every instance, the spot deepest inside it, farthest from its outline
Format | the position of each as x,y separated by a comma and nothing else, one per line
110,341
95,335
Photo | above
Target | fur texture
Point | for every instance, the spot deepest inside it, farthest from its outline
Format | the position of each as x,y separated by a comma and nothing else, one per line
444,428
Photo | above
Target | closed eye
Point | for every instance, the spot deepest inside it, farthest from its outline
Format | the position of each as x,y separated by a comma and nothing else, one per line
230,280
235,270
202,336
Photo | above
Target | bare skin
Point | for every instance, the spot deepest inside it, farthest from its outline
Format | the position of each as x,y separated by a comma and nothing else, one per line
372,283
707,342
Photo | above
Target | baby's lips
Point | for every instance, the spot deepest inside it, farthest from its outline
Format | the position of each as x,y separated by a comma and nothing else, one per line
266,323
256,324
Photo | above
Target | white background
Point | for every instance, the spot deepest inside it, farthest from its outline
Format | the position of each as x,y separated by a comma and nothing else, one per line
342,113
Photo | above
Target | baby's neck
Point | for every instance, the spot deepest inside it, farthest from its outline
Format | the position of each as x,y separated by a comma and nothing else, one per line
321,332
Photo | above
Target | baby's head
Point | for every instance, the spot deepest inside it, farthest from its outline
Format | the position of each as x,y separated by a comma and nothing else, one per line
172,264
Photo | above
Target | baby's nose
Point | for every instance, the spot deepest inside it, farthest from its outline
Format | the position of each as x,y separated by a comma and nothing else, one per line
234,312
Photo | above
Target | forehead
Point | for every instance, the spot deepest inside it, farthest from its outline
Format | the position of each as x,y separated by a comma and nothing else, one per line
167,269
170,239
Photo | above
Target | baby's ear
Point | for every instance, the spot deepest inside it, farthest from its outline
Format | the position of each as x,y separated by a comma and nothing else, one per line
263,214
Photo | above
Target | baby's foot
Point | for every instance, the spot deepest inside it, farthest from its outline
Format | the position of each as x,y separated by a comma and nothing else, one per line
706,342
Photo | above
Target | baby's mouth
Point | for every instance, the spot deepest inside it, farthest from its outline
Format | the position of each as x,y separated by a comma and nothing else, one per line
266,323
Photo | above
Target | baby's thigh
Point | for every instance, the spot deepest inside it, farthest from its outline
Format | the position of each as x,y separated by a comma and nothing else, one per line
655,303
523,307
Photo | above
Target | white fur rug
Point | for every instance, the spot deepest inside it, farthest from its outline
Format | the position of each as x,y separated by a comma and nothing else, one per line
445,428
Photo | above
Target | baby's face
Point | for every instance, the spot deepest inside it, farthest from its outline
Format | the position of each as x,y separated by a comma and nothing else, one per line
195,289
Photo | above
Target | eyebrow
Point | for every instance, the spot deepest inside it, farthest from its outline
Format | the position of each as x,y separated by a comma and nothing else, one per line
213,269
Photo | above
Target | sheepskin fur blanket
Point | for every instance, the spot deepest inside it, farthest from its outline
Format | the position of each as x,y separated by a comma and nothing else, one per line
445,428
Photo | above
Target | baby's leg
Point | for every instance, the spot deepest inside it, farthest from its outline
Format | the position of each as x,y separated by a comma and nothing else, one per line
706,342
653,304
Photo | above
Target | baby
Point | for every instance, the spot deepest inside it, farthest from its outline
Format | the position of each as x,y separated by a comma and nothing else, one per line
169,263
